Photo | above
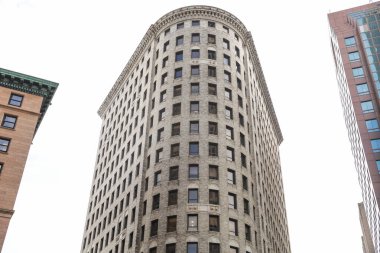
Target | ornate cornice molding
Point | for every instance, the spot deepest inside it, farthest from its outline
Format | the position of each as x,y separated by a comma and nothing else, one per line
29,84
184,13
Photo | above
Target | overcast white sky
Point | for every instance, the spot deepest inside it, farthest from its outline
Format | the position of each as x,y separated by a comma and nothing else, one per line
85,44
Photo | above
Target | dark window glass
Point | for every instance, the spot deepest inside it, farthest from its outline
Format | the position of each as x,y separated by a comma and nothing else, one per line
4,144
173,173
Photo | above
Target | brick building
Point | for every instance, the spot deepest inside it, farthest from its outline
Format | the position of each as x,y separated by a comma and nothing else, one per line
24,101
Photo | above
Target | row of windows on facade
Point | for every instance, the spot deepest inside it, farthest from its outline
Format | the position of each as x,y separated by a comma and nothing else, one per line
194,151
171,226
9,122
195,70
193,174
197,23
195,89
195,108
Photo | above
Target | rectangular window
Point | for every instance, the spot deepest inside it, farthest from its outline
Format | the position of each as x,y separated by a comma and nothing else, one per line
178,73
177,90
226,29
174,150
211,24
170,248
211,71
213,196
212,149
157,178
372,125
231,178
227,76
176,129
245,183
349,41
232,201
235,250
195,53
163,96
194,106
194,148
179,56
179,40
15,100
194,88
195,23
160,134
226,44
195,70
192,247
354,56
173,173
362,89
167,31
195,38
211,54
212,108
212,128
153,250
213,223
358,72
1,167
378,166
246,206
176,109
230,154
243,160
367,106
242,140
193,196
237,52
375,143
229,133
171,225
233,227
211,39
192,222
9,121
166,44
194,127
156,202
4,144
226,60
193,171
228,94
248,232
180,25
241,120
213,172
238,68
172,197
164,78
228,113
153,227
161,114
214,247
212,89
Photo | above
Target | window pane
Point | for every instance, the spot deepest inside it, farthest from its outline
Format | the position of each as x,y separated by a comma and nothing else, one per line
192,247
354,56
375,145
367,106
193,171
362,89
358,72
350,41
372,125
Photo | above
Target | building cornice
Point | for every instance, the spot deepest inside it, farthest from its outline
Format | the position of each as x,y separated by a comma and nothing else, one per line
188,12
29,84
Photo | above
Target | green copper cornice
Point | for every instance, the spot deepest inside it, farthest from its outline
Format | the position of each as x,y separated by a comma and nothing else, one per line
29,84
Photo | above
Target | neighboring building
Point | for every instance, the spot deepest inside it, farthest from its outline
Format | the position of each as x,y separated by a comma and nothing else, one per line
188,157
23,104
355,40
